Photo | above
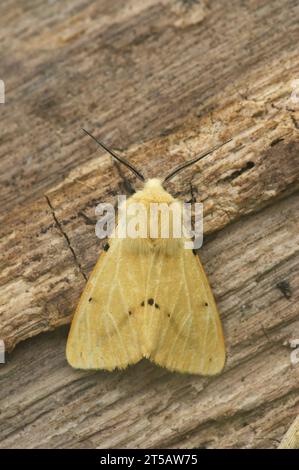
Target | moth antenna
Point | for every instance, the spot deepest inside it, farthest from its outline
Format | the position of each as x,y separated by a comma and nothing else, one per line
117,157
194,160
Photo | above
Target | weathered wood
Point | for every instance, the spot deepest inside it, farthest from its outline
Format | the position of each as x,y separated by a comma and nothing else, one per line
160,81
249,405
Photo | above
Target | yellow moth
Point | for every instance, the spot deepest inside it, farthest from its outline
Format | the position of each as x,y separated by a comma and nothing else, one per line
147,298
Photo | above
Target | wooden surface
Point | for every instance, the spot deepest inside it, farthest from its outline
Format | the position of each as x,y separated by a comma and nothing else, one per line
160,81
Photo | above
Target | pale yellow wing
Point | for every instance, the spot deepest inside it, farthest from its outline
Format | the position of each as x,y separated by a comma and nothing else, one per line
291,438
182,330
147,304
105,332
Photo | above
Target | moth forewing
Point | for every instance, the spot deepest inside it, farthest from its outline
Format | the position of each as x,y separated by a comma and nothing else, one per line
148,297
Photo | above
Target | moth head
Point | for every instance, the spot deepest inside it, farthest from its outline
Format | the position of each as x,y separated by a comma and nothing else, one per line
153,191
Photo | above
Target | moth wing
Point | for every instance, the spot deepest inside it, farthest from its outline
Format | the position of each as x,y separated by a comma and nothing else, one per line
182,327
105,331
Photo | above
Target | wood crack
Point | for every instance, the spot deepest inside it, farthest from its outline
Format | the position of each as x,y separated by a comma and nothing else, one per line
64,234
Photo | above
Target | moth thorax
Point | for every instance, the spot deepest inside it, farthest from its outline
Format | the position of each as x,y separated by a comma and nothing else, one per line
153,219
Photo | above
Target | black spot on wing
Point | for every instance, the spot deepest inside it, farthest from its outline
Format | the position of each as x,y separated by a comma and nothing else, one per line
151,302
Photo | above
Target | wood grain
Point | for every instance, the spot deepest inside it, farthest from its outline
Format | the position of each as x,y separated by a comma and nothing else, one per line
159,81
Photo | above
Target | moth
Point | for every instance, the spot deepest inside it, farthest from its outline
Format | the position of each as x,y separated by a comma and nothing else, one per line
147,298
